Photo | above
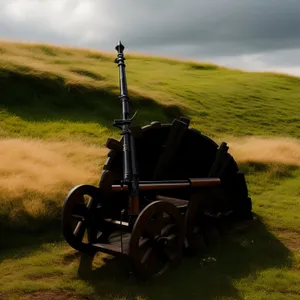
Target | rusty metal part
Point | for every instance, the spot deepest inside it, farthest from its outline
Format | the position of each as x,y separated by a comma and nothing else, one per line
204,182
171,184
134,207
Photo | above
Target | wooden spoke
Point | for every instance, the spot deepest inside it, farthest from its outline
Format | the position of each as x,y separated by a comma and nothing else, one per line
88,217
156,240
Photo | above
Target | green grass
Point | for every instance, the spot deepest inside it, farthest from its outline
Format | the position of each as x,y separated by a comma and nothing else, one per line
58,93
51,94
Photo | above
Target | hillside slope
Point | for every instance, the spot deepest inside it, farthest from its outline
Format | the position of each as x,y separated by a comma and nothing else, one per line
57,106
57,93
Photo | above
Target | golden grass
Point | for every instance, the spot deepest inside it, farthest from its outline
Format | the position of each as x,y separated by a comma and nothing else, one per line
41,166
45,167
33,171
266,150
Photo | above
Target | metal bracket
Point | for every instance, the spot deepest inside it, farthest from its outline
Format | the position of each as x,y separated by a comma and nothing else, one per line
120,123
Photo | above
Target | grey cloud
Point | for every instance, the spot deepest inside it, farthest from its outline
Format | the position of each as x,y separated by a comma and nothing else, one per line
286,58
222,27
43,35
209,30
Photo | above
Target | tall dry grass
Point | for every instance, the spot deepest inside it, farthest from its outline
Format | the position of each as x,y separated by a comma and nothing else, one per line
35,175
266,150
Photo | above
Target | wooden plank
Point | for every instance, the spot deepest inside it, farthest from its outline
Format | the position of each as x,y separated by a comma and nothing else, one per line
170,150
220,157
179,203
115,246
113,144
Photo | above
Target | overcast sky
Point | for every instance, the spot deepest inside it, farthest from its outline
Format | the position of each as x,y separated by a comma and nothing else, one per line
246,34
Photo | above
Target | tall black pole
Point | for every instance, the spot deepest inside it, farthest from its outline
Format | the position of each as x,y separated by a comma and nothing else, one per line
130,174
124,99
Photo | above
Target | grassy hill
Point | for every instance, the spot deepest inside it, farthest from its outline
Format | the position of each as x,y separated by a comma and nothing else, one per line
58,93
57,106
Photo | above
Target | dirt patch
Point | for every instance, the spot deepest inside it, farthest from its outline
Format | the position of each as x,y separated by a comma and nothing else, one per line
54,296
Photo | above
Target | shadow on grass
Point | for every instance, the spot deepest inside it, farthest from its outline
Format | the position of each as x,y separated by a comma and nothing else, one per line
18,244
49,98
240,255
26,230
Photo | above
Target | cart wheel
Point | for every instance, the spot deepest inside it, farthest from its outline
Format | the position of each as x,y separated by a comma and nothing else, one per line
81,216
157,239
198,231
